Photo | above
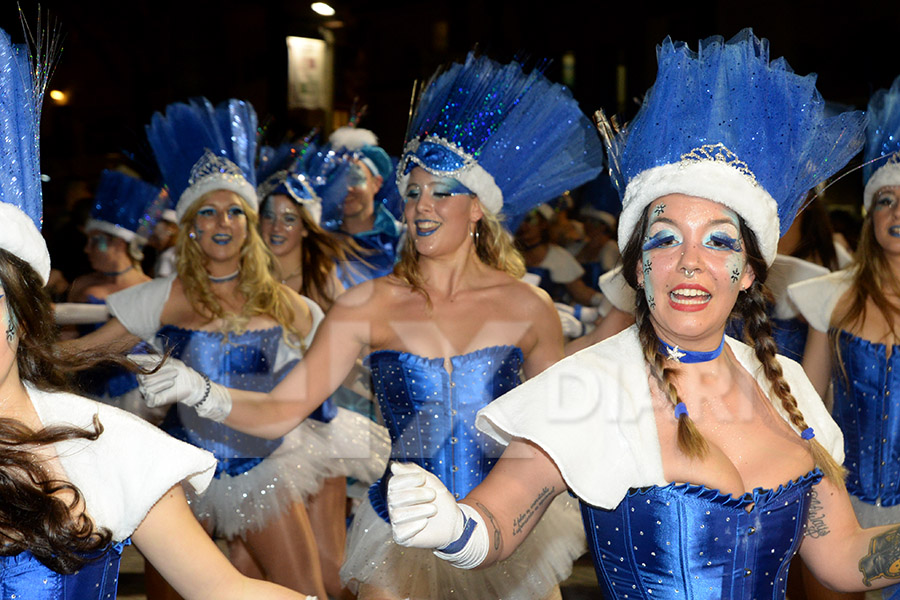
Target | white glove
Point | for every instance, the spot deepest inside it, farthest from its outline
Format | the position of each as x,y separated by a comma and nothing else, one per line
424,514
571,326
177,382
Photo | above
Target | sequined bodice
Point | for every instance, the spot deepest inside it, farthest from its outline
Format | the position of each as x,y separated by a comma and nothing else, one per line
24,576
687,541
430,412
868,412
245,361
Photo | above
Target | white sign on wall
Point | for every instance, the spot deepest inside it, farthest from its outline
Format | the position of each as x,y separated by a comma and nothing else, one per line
307,86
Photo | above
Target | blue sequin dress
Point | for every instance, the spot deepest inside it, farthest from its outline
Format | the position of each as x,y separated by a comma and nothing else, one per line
430,413
650,538
120,476
256,479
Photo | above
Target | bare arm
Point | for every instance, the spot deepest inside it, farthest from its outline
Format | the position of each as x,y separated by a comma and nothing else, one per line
817,359
338,342
615,321
112,336
514,496
841,554
547,348
581,292
171,538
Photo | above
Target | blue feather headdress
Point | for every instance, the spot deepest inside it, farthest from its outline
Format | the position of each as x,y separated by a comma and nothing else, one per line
282,171
22,83
200,149
515,139
882,140
727,124
126,207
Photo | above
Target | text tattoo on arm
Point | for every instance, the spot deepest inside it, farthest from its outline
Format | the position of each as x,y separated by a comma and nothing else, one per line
815,521
520,521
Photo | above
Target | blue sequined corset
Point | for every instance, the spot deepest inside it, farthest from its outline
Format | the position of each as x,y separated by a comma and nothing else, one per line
687,541
868,412
245,361
24,576
430,413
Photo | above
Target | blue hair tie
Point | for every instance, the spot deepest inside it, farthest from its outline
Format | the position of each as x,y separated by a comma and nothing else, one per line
808,433
680,409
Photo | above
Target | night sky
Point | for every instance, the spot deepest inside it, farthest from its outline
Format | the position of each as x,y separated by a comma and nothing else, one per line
124,60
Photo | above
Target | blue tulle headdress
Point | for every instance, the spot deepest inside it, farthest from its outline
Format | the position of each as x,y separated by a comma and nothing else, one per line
882,154
727,124
126,207
200,149
23,78
514,138
282,171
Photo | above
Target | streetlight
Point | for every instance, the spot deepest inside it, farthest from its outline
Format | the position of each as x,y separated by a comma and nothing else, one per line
323,9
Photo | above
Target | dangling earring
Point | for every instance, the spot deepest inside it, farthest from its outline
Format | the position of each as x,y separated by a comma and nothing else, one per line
10,332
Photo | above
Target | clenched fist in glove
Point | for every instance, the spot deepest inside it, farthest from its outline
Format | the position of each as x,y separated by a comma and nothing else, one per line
174,381
424,514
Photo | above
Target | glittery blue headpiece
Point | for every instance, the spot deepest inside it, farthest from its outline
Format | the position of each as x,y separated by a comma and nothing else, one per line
727,124
289,177
201,149
515,139
123,205
882,140
22,85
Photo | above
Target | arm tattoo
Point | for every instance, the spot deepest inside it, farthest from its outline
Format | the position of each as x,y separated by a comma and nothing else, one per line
520,521
815,520
883,559
493,521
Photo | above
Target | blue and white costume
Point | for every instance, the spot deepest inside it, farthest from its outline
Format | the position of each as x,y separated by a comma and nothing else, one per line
120,475
256,478
650,538
866,403
430,414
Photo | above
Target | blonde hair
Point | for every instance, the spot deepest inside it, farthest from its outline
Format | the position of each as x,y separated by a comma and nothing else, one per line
494,246
263,295
751,306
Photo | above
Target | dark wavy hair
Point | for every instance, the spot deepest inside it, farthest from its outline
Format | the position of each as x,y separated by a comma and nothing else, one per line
40,514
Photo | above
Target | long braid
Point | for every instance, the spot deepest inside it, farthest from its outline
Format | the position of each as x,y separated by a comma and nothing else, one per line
690,440
752,306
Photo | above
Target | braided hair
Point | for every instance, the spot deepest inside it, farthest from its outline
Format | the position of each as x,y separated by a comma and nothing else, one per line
752,307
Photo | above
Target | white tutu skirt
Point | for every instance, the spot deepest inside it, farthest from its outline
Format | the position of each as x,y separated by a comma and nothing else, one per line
542,561
349,446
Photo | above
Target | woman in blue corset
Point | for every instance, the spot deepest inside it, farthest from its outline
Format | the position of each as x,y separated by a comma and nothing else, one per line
702,465
853,338
451,329
79,480
224,313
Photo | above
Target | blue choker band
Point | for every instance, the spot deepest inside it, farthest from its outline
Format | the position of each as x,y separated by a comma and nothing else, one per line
689,356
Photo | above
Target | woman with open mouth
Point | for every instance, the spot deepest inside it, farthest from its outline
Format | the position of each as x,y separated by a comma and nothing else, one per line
702,465
452,328
224,313
853,317
306,261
